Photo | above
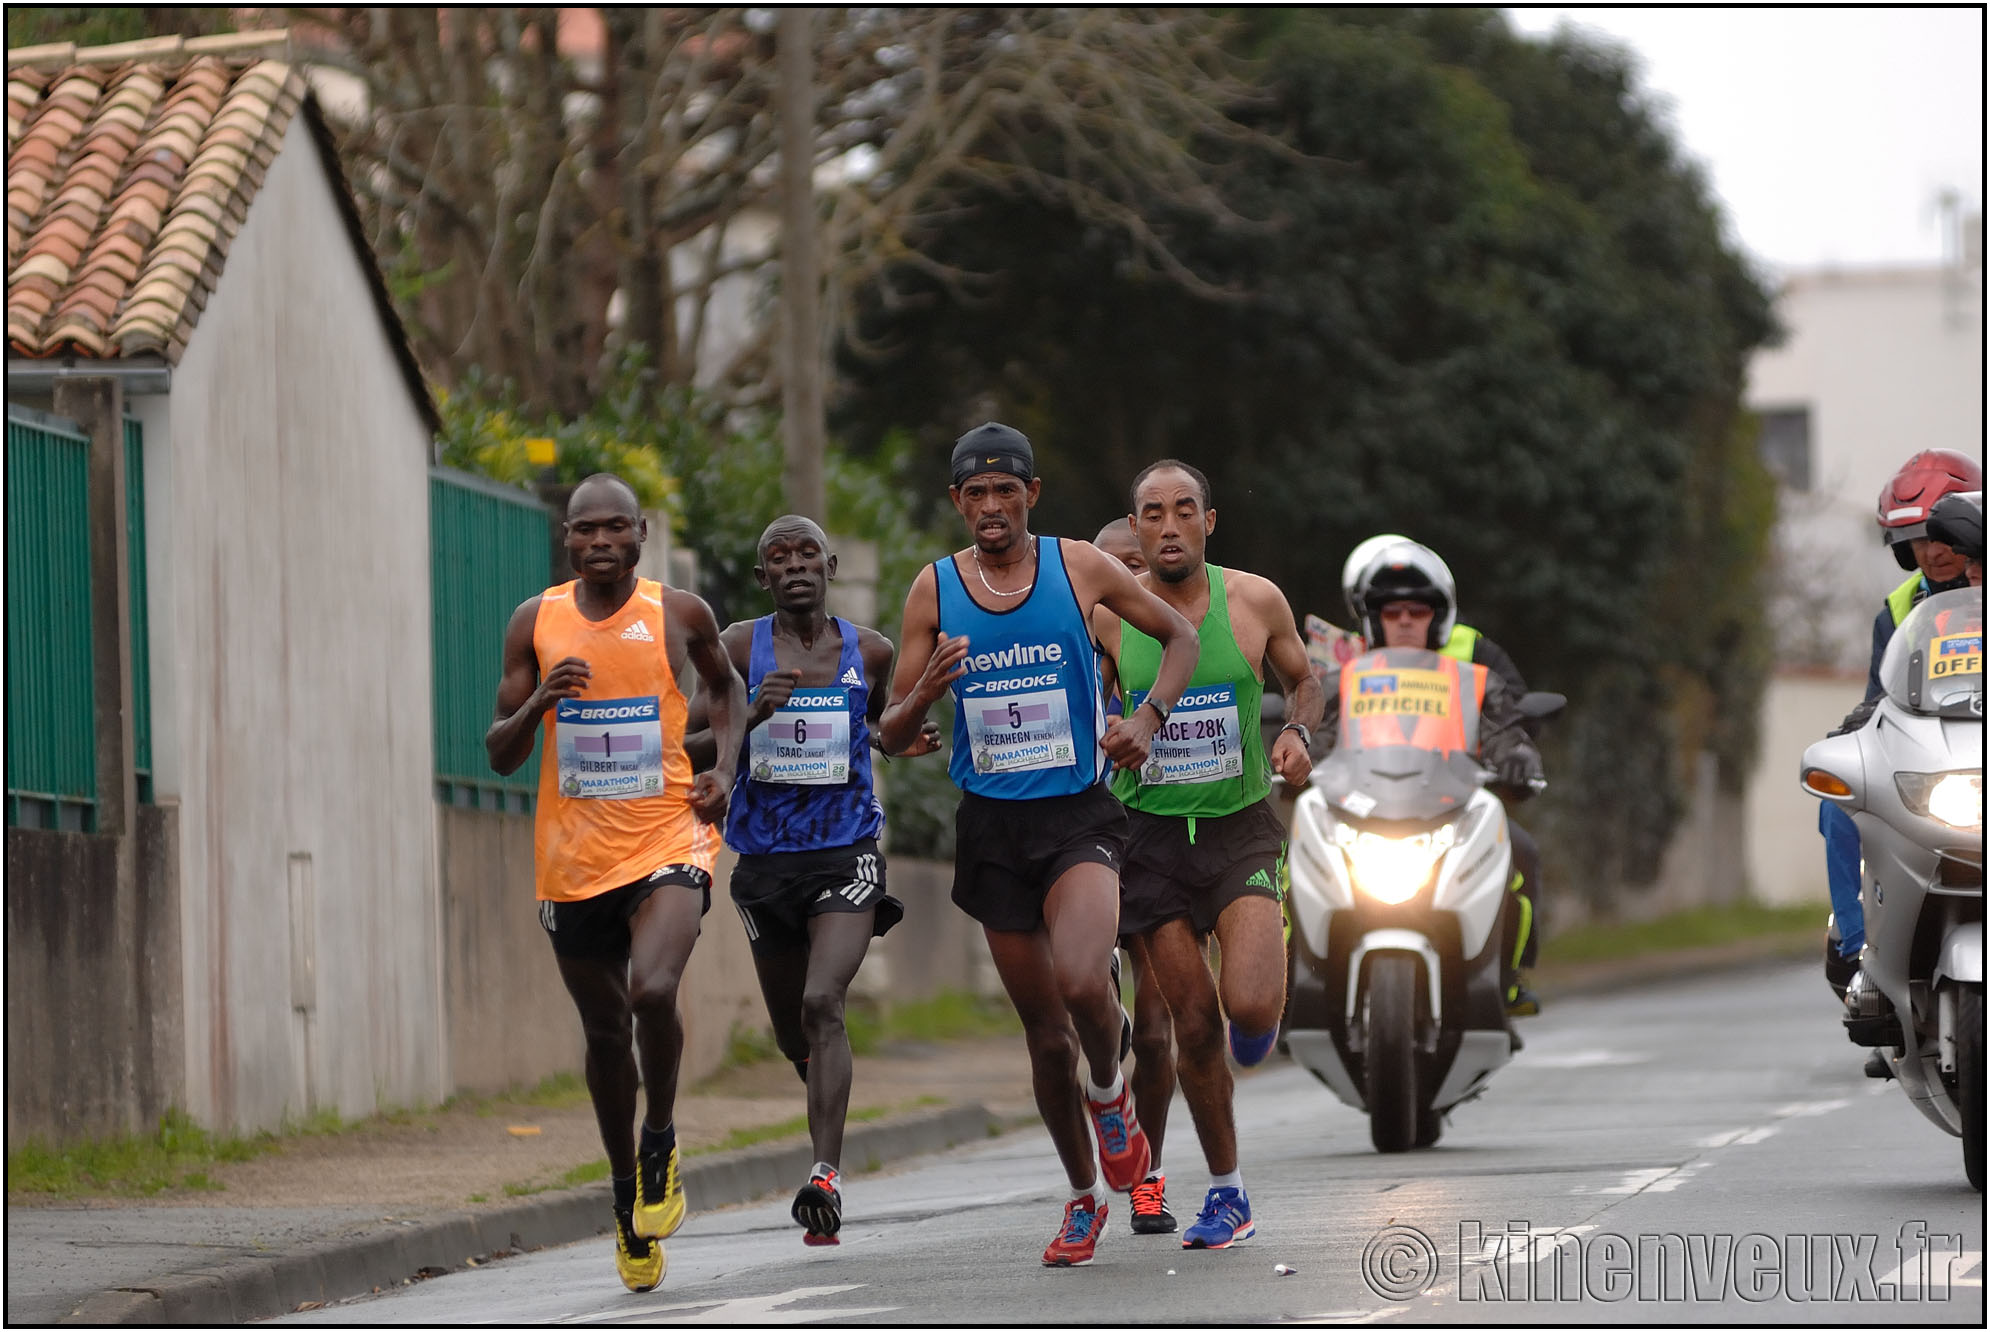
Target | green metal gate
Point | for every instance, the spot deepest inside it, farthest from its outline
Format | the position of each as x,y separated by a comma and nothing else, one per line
51,707
488,551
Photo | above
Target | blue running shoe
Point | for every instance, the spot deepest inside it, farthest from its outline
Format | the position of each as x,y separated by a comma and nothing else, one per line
1249,1051
1225,1219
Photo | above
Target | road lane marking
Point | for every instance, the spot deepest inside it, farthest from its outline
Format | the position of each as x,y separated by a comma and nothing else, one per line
742,1310
1586,1059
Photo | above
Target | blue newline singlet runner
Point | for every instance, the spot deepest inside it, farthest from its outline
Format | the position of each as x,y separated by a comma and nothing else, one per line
1027,713
804,777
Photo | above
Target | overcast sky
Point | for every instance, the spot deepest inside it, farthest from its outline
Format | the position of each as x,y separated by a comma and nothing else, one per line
1827,133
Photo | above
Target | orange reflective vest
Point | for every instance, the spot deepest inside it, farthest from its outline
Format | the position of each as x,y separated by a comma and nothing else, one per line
1403,696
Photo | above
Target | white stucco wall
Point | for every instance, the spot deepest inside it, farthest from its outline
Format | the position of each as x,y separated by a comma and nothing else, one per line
1889,362
291,677
1785,852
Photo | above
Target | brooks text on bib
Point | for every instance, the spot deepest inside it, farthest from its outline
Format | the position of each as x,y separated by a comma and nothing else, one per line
609,748
806,742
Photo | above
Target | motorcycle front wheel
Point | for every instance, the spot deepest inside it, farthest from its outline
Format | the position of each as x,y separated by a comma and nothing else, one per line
1969,1080
1390,1054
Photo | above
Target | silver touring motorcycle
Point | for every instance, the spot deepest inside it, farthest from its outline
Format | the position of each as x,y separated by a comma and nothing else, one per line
1400,864
1912,779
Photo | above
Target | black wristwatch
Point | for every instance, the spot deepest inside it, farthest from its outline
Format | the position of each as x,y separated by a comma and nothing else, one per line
1305,736
1151,702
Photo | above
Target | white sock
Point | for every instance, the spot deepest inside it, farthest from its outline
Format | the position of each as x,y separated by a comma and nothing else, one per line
1233,1180
1085,1194
1102,1095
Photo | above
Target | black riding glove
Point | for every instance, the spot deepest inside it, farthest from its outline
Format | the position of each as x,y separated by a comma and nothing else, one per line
1857,717
1520,769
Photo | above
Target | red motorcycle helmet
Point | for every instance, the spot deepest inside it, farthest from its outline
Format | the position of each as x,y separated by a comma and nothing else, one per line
1905,500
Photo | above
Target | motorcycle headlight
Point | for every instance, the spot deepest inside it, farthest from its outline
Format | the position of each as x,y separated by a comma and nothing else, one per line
1392,869
1954,798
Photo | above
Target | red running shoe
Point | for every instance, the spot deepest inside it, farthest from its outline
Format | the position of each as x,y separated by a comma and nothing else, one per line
1078,1240
1123,1153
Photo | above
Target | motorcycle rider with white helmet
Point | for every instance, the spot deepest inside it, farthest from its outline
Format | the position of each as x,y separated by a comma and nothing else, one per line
1401,594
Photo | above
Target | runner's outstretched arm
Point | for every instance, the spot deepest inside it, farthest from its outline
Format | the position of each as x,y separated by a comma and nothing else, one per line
1113,586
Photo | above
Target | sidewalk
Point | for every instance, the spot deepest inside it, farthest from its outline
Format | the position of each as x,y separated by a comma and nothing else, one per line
333,1216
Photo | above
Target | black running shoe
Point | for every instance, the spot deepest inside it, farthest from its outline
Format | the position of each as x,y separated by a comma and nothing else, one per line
1150,1207
818,1208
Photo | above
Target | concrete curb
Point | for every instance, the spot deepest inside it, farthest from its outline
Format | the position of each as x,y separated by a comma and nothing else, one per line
246,1290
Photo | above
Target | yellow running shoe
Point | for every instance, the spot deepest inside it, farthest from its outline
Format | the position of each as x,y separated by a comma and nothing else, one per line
659,1194
639,1262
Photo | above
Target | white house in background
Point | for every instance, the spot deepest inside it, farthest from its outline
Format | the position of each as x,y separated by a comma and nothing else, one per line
184,230
1878,365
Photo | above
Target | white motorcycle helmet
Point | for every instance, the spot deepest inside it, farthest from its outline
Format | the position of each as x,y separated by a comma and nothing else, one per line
1394,568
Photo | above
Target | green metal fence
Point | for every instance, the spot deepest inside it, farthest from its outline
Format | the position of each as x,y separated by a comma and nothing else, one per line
488,551
141,621
51,710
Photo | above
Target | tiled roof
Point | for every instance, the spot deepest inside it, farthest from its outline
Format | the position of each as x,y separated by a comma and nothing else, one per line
127,179
130,169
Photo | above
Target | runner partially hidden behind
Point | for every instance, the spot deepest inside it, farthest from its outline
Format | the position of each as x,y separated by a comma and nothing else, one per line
623,854
810,884
1205,849
1005,625
1153,1035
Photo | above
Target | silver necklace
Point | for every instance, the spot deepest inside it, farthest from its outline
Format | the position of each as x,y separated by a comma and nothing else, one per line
992,591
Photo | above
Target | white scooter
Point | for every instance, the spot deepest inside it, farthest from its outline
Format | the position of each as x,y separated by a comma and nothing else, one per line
1912,780
1400,865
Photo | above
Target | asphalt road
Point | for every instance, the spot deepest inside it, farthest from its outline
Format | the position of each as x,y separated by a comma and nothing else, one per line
1705,1150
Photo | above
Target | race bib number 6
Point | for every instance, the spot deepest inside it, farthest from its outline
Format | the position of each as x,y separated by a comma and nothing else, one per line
806,742
1200,741
609,748
1020,732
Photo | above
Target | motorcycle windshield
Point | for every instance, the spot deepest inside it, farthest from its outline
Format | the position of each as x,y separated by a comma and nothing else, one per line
1405,733
1934,662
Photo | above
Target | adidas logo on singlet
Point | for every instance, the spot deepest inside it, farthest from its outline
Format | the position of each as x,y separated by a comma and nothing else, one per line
639,633
850,677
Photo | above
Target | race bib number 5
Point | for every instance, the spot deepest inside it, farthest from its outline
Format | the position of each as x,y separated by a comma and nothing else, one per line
1199,742
609,748
1020,732
806,742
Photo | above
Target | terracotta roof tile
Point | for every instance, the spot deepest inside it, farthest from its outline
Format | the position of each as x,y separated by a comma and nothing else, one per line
129,172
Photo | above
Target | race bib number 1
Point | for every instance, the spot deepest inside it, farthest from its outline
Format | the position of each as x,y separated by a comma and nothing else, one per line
1199,742
1020,732
806,742
609,748
1956,654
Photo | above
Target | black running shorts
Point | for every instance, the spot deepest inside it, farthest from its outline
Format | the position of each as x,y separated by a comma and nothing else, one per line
598,926
776,894
1178,867
1007,853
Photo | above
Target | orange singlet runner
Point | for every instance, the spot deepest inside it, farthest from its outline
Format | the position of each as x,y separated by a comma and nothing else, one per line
614,780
